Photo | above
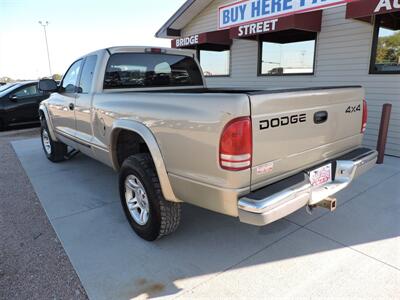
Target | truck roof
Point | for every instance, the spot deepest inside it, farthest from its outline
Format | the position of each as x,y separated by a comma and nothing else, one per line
142,49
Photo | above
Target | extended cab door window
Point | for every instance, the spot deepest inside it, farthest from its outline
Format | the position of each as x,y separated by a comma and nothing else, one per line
86,80
83,103
145,70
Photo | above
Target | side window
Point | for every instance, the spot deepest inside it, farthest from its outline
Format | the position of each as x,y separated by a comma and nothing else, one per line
28,91
70,79
287,58
215,63
85,83
385,58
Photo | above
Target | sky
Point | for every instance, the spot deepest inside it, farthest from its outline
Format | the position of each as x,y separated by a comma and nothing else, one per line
75,28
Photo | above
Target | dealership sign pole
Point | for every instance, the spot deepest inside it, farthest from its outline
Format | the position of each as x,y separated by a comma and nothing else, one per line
44,25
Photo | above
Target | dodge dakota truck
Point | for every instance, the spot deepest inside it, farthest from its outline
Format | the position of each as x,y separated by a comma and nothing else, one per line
258,155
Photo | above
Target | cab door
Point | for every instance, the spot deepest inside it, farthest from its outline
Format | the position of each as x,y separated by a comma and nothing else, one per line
62,104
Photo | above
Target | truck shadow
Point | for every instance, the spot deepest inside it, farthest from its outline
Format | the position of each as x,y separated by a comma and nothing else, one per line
113,263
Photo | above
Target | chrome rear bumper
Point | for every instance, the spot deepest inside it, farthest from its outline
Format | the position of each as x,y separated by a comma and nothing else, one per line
285,197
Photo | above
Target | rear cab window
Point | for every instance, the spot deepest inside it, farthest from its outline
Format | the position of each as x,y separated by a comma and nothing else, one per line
145,70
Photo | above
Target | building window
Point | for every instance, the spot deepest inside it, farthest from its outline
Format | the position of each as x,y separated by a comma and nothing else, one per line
215,63
385,58
296,58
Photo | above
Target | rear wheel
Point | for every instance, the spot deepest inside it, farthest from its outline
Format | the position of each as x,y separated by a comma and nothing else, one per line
149,214
54,151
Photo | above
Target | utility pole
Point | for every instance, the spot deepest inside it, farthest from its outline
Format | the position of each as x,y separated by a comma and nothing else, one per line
44,25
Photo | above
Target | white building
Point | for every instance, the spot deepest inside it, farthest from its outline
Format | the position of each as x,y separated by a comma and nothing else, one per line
296,43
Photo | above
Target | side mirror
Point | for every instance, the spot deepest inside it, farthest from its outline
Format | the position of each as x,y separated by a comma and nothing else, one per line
13,98
48,85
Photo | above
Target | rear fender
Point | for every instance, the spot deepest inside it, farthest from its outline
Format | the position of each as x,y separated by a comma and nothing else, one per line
152,145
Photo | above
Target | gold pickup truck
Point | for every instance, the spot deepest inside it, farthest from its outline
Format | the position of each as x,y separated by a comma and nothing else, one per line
258,155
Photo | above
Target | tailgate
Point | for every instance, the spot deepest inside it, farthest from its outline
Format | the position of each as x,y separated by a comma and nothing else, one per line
298,129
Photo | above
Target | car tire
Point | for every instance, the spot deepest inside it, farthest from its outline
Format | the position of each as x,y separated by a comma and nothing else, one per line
3,125
54,151
140,193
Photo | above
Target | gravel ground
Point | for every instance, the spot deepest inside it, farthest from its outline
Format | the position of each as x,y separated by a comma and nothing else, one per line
33,263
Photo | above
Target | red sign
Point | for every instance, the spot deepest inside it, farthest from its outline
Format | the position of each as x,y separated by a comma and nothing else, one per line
220,37
186,41
366,8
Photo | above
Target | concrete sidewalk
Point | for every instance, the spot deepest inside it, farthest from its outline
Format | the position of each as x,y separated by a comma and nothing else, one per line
354,252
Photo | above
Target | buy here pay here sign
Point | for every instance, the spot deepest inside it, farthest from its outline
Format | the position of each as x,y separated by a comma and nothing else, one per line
248,11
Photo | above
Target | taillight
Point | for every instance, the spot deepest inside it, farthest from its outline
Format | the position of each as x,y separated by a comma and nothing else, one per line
235,149
364,116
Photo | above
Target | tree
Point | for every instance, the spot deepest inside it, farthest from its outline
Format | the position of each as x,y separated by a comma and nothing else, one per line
57,77
6,79
388,51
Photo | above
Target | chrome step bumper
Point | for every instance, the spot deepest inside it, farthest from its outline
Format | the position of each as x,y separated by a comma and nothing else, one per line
285,197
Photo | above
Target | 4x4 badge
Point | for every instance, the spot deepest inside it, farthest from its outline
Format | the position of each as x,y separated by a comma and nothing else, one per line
353,109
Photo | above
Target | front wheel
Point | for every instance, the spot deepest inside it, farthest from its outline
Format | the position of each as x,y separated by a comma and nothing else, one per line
54,151
149,214
3,125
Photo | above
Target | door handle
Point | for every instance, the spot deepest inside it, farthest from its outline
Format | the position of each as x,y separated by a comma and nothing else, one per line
320,117
71,106
14,98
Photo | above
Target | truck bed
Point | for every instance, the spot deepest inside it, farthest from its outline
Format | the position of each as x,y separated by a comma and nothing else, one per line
287,138
242,91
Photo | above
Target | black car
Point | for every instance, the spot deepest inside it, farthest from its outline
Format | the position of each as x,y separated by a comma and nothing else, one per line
19,103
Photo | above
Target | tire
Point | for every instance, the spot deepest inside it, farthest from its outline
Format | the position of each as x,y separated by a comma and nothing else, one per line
54,151
163,216
3,125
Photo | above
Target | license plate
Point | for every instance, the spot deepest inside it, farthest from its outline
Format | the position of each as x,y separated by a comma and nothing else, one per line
321,175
